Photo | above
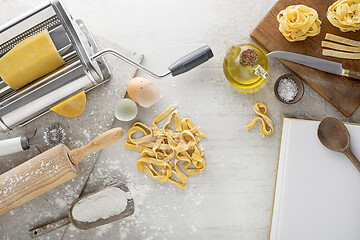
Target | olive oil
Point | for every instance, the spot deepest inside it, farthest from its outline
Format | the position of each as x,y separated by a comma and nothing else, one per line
243,76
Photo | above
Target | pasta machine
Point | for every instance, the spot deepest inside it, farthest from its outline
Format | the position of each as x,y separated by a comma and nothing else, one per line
84,69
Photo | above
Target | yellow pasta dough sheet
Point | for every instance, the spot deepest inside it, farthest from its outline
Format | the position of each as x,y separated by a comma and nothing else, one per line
164,151
72,107
29,60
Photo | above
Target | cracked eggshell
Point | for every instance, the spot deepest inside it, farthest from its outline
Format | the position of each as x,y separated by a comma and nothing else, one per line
135,85
148,95
126,110
143,91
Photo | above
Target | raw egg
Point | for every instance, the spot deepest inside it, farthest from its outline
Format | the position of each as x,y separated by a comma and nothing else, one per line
143,91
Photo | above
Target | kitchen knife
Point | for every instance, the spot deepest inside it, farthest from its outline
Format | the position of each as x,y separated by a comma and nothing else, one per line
317,63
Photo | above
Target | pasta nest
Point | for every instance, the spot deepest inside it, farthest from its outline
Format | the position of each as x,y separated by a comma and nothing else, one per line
297,22
345,14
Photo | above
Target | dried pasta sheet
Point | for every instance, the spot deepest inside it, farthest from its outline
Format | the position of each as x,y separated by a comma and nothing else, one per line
168,154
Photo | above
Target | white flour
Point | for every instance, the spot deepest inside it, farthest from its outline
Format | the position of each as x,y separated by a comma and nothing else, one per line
104,204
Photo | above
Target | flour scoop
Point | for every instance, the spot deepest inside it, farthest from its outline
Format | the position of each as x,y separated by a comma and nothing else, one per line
97,208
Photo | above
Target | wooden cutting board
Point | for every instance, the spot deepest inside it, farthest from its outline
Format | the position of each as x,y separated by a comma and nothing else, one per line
343,93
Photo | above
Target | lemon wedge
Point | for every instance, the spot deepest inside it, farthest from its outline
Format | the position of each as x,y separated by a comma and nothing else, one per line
72,107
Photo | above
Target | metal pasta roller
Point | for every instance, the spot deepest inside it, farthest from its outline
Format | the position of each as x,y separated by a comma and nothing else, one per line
53,135
84,66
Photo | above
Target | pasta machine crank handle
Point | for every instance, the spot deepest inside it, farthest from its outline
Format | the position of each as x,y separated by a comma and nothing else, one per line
183,65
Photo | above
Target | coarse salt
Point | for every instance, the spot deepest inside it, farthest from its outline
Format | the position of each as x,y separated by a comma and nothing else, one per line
287,89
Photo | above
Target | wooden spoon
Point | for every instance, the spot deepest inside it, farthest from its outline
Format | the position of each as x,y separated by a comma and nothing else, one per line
49,227
334,135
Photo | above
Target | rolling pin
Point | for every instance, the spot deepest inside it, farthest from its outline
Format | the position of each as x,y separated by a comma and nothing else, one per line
47,171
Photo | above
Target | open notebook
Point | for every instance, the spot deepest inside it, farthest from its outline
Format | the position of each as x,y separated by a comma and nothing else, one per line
317,194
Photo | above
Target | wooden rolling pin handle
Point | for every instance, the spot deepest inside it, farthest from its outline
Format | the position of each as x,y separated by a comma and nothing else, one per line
354,74
104,140
352,158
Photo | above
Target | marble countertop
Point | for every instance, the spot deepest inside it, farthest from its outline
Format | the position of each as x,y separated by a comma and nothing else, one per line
232,198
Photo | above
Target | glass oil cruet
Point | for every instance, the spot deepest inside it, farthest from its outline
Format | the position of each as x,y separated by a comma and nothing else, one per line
246,66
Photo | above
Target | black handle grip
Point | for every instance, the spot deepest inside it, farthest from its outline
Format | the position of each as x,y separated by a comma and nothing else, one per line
191,60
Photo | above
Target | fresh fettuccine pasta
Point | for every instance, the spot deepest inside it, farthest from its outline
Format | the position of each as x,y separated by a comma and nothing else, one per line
297,22
267,126
345,14
163,150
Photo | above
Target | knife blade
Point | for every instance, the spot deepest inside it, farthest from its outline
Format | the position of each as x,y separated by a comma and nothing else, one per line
316,63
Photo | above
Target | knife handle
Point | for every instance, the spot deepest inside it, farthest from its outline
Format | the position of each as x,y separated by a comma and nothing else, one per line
354,74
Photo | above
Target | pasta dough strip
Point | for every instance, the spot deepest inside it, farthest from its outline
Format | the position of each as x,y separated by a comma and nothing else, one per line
352,51
338,54
160,156
266,127
338,39
340,47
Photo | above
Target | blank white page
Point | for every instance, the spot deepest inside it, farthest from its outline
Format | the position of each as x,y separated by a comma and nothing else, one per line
317,195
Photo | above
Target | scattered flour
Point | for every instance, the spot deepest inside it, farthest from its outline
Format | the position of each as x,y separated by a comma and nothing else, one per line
123,235
102,229
87,134
61,202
